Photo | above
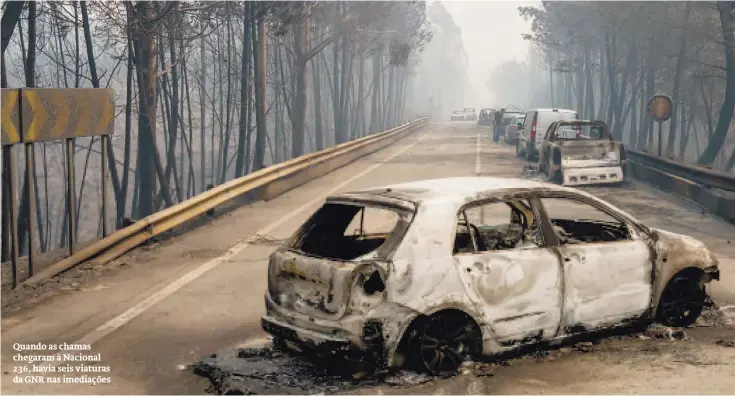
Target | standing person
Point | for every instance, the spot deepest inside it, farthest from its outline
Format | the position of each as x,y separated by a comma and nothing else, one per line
498,124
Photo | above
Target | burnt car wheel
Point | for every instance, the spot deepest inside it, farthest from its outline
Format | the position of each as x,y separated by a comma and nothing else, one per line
446,341
681,301
558,177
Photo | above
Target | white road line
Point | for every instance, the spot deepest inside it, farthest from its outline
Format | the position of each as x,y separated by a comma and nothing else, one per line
477,153
125,317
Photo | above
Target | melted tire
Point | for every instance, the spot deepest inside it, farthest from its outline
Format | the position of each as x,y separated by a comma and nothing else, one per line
558,177
444,341
681,302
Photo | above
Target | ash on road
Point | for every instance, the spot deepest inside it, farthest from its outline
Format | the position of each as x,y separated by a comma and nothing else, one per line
656,360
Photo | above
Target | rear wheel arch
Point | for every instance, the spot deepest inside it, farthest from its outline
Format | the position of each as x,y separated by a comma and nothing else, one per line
401,356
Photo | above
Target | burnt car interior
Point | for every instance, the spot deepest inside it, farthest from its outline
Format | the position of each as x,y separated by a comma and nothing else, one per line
343,231
580,131
499,225
511,225
578,222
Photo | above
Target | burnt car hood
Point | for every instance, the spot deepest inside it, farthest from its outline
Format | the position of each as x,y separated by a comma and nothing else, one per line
677,251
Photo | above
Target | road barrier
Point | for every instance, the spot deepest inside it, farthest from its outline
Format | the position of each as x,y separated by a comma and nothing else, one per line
701,185
266,183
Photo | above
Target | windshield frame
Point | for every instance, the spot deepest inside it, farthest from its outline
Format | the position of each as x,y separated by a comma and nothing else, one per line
607,136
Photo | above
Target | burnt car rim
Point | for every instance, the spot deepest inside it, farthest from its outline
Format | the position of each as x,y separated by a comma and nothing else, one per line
445,344
682,302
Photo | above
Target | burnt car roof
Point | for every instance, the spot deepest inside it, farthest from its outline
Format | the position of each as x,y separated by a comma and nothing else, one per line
454,188
581,122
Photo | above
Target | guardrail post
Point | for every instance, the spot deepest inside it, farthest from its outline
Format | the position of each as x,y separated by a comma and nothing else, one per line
12,206
71,199
31,215
210,212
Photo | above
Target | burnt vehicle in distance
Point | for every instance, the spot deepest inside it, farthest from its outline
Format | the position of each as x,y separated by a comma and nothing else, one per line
457,115
486,116
579,152
431,273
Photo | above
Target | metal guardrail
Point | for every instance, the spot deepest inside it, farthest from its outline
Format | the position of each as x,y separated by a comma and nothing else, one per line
282,177
711,190
704,176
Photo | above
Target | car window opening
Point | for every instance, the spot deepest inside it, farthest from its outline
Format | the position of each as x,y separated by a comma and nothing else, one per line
497,226
576,222
341,231
581,132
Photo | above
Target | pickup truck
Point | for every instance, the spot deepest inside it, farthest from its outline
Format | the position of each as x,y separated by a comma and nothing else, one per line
470,114
579,152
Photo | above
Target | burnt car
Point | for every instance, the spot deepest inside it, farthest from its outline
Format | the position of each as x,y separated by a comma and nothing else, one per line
431,273
486,117
457,115
470,114
579,152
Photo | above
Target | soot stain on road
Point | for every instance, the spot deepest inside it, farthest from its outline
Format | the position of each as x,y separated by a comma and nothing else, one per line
271,370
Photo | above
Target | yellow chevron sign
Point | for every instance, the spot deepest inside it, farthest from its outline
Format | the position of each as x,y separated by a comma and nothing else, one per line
58,113
41,114
10,116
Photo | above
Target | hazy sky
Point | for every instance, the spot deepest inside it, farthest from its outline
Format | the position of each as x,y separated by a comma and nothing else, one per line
491,31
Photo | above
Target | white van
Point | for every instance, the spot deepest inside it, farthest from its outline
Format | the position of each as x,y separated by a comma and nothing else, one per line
535,124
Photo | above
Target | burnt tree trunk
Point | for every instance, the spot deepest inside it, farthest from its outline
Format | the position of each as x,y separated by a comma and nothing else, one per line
260,82
671,143
244,93
715,143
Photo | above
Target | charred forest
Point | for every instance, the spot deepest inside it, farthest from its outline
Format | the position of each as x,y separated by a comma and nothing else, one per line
205,92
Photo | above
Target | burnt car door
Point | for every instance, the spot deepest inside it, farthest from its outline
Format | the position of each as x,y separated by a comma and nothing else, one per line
548,139
509,272
607,268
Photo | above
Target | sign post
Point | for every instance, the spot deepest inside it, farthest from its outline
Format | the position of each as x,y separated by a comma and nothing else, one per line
659,108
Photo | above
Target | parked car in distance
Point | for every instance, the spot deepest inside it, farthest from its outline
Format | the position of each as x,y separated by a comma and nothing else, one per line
457,115
470,114
511,131
486,117
507,116
581,152
535,124
487,265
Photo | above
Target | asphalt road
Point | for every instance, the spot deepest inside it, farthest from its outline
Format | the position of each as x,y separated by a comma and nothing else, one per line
161,308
